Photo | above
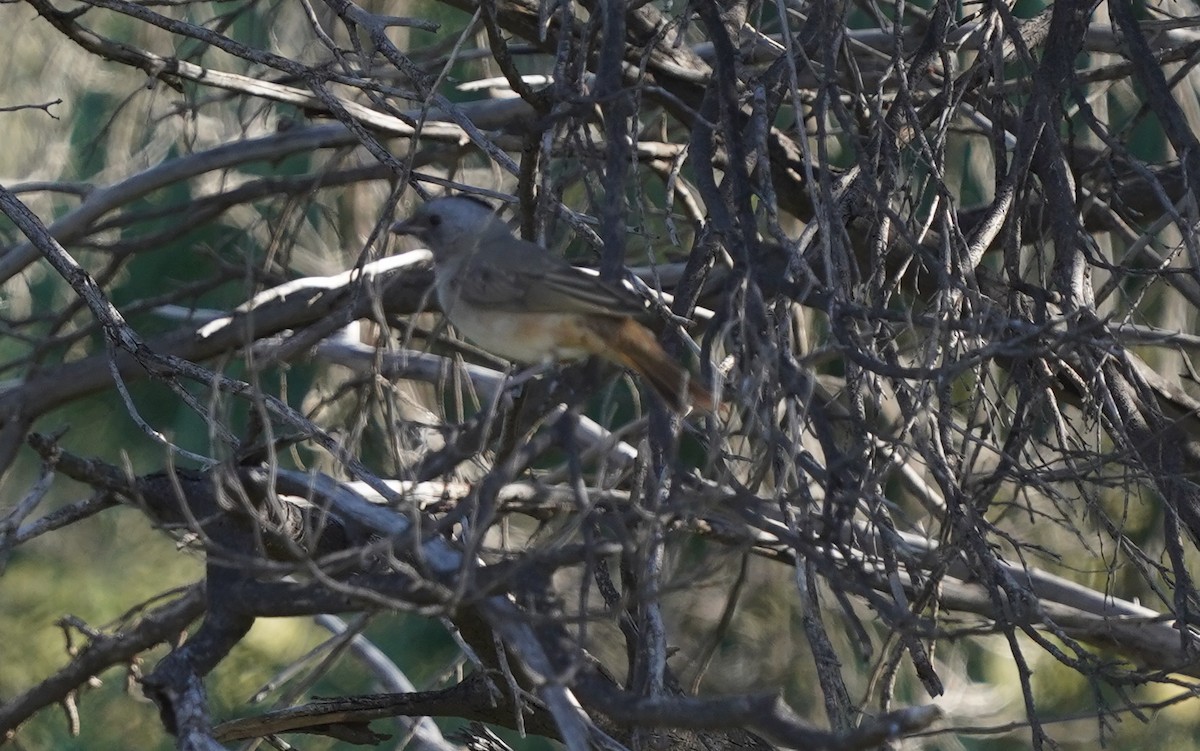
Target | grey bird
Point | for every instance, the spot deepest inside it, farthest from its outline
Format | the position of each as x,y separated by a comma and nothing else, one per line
515,299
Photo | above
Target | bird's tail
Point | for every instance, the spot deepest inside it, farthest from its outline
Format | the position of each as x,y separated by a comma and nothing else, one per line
634,346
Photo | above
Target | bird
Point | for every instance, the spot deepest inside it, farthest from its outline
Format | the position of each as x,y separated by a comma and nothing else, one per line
515,299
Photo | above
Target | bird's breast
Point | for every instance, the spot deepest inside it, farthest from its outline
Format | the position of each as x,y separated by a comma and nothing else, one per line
522,337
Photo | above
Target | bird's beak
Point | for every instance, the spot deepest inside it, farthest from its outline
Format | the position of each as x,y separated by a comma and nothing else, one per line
403,227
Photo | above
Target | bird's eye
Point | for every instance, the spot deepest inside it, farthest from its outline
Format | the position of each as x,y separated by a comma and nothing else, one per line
434,220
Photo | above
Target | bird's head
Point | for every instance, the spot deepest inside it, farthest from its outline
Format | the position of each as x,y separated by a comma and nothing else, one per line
453,226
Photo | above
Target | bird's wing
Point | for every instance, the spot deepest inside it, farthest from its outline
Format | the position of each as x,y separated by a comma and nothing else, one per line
525,278
566,286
